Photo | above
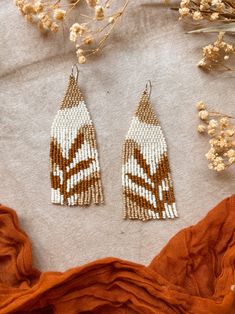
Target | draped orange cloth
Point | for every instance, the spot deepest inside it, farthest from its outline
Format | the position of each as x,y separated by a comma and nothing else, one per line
192,274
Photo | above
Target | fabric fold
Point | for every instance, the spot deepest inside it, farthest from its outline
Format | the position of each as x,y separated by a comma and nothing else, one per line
192,274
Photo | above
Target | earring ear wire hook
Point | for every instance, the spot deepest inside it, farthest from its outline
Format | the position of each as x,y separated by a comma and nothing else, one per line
75,69
148,88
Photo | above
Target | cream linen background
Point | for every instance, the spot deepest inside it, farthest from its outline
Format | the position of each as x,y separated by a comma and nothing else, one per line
149,43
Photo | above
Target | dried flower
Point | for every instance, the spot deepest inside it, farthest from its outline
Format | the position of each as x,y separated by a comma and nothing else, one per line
99,13
201,128
211,132
28,9
213,123
59,14
214,16
200,105
203,114
49,15
214,54
224,122
184,12
221,131
230,132
212,11
197,16
92,3
81,59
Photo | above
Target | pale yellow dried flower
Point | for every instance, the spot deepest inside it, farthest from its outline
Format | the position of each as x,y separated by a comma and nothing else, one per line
200,105
230,132
99,13
92,3
224,122
184,12
81,59
197,16
88,40
211,132
214,16
54,27
203,114
28,9
231,160
213,123
38,7
220,167
201,128
80,52
111,20
59,14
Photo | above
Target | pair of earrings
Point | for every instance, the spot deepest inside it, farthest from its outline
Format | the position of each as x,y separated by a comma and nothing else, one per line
74,165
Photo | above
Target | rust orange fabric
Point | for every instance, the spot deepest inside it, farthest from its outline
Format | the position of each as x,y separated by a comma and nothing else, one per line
192,274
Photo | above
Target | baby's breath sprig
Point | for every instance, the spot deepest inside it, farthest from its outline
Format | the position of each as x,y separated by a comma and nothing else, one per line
210,10
221,131
215,55
90,35
223,13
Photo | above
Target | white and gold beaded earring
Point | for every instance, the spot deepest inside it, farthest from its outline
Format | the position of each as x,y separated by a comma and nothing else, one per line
74,164
147,186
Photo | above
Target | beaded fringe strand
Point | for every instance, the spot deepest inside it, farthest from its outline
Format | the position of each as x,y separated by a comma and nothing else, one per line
75,171
146,180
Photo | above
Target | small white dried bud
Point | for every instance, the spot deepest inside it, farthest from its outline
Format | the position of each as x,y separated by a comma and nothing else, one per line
220,167
231,153
99,13
59,14
80,52
203,114
201,128
211,132
200,106
92,3
214,16
213,124
230,132
224,122
81,59
197,16
184,11
111,20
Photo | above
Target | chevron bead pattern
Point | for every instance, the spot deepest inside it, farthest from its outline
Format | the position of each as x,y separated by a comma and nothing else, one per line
146,179
75,171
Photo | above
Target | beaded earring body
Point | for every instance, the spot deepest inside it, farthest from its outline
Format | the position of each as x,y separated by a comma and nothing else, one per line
147,185
74,164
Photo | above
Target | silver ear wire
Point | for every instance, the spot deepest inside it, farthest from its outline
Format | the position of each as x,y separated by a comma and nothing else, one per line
75,69
148,88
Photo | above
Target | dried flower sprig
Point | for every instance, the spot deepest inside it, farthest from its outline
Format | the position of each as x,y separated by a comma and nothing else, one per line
216,54
221,131
222,11
89,35
84,35
210,10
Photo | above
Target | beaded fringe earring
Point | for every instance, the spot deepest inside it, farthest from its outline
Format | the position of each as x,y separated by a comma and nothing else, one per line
75,171
147,186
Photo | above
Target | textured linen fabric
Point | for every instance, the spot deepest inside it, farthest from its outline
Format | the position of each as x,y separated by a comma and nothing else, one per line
192,274
148,43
